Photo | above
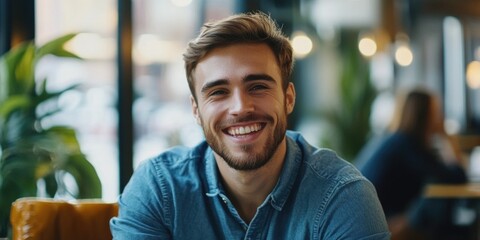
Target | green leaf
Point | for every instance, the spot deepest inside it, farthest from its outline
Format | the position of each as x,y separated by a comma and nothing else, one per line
66,136
8,66
13,103
18,178
89,185
14,185
56,47
24,71
43,95
17,128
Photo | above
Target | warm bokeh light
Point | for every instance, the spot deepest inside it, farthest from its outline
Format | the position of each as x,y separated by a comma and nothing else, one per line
367,46
149,48
302,45
92,46
473,74
404,56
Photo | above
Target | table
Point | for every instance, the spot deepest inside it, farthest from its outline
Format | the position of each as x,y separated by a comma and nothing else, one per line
468,190
459,191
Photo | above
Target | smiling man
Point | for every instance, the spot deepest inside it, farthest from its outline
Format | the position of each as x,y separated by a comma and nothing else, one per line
251,178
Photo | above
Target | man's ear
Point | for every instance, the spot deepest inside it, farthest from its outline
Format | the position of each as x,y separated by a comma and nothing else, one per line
195,109
290,96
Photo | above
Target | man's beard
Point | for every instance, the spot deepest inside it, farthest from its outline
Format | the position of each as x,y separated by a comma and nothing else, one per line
254,160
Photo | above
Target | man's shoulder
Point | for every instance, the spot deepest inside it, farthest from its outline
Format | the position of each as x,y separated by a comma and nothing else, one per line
324,163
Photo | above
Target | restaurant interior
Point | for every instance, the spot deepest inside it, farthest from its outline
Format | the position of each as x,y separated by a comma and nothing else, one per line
352,59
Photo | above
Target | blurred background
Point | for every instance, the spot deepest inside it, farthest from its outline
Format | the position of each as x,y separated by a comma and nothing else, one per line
352,56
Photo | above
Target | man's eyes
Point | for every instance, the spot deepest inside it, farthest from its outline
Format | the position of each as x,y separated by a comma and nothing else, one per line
258,87
218,92
253,88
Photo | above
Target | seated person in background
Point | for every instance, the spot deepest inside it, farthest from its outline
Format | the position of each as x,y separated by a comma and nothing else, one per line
415,152
250,178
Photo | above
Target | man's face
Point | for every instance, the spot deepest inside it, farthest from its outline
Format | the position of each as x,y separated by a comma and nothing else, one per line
241,105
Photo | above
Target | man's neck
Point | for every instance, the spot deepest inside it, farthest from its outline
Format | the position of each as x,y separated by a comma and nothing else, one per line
248,189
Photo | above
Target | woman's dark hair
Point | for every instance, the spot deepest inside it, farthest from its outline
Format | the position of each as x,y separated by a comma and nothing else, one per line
415,114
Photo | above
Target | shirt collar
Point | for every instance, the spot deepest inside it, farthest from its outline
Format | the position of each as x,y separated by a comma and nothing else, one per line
211,173
288,175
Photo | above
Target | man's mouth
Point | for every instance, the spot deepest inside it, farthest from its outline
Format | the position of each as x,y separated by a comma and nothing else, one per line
244,130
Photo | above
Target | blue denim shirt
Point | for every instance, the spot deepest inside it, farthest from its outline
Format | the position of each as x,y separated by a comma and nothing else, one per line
179,195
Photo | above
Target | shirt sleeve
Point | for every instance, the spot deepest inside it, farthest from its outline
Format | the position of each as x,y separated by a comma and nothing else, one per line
142,208
354,212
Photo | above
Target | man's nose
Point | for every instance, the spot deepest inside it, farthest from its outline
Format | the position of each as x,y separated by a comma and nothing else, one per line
241,103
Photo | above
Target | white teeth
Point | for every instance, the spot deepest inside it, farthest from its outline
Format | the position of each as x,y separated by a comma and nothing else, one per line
244,130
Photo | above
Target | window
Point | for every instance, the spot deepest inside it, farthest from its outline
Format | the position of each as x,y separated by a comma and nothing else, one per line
90,109
161,108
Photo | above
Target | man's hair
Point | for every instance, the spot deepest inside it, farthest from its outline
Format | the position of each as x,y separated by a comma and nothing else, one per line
254,27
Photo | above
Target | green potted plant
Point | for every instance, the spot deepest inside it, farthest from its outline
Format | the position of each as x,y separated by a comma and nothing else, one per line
29,152
349,122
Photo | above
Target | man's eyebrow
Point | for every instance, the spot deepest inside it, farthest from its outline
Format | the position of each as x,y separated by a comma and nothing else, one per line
248,78
254,77
212,84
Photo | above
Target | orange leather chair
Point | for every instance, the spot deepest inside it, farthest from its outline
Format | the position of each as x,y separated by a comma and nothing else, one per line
49,219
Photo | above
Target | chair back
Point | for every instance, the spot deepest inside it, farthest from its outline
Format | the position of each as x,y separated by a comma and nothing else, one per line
38,219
